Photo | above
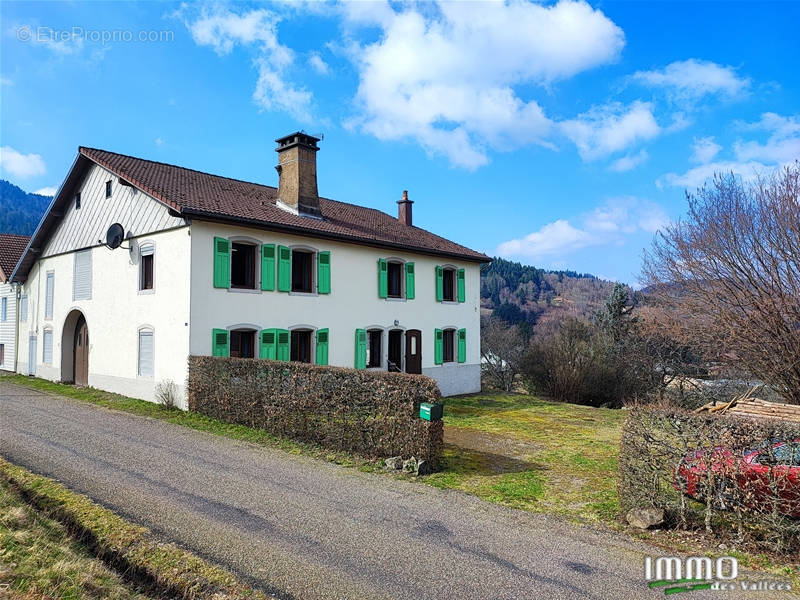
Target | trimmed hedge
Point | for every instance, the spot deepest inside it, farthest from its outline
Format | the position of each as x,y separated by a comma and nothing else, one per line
370,413
163,569
663,449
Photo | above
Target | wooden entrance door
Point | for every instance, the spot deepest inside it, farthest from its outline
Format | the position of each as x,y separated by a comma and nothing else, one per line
81,353
414,351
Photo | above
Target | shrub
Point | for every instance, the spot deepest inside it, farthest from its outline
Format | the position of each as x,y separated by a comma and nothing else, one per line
167,394
369,413
667,454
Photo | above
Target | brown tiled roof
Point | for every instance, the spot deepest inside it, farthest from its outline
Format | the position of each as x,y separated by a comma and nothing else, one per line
201,195
11,248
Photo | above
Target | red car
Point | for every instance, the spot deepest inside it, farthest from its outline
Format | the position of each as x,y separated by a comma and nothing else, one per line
760,476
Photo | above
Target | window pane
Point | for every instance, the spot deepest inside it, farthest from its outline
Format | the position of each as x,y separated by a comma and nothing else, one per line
301,346
243,266
394,280
447,345
146,282
301,271
448,286
374,348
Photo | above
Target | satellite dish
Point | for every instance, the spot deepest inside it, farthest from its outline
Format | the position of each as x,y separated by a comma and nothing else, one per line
115,236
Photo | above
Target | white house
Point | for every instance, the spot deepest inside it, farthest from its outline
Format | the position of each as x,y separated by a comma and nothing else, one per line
216,266
11,248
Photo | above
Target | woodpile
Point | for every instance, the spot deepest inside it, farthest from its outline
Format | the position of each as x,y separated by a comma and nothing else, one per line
747,405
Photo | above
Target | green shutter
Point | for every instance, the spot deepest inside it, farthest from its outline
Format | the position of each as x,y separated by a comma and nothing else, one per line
283,344
324,273
361,349
268,267
322,346
439,283
219,344
222,263
438,349
462,288
383,280
462,345
410,288
284,269
268,344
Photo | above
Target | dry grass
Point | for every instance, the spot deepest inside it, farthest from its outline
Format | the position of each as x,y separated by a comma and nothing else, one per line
39,559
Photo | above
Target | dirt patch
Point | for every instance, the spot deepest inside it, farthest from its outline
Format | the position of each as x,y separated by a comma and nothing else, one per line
490,443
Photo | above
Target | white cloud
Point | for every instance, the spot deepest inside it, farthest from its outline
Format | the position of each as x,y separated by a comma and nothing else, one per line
783,144
752,158
159,141
446,75
692,79
47,191
21,165
704,149
606,224
611,128
223,29
318,64
629,162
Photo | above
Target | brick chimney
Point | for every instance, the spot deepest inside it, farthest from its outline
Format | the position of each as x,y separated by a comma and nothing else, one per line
297,174
404,212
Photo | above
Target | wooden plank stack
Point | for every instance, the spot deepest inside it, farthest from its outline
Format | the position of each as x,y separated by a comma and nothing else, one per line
749,406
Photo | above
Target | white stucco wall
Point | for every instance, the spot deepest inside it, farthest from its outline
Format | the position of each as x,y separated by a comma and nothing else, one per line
353,303
8,327
115,313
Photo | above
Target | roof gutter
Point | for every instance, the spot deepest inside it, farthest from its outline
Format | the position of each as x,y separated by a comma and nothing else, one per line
216,217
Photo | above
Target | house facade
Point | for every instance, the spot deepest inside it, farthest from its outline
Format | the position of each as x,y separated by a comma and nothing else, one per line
207,265
11,248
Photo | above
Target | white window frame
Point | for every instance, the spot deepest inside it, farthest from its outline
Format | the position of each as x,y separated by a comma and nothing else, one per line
49,295
145,329
47,332
314,269
402,262
238,239
147,248
87,252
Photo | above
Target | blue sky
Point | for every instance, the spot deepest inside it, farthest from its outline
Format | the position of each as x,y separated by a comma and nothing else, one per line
559,134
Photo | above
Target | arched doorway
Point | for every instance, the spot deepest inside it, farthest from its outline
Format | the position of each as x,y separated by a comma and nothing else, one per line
75,349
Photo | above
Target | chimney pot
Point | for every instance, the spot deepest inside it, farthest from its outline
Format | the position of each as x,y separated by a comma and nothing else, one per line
297,174
404,212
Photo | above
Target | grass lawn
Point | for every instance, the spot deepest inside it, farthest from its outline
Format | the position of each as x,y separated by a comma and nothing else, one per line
38,558
533,454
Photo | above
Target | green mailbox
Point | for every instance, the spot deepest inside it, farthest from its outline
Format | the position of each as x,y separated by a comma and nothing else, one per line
431,412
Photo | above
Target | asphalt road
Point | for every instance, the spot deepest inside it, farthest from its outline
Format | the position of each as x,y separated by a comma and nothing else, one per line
303,528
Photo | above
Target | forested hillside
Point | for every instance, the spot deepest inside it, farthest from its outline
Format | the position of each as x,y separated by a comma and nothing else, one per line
519,293
20,211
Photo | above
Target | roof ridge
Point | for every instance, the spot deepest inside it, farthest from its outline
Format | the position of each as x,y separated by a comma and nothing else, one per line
174,166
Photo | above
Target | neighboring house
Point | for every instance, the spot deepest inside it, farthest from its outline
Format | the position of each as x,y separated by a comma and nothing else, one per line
11,248
217,266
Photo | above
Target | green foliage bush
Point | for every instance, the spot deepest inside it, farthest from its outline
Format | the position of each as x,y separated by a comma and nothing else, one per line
733,501
371,414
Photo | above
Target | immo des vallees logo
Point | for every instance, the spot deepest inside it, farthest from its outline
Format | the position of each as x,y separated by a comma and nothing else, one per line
677,575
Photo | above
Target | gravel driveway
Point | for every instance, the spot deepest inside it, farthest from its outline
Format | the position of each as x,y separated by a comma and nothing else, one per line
303,528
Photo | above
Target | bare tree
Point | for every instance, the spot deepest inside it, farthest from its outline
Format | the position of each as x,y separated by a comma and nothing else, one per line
502,348
732,269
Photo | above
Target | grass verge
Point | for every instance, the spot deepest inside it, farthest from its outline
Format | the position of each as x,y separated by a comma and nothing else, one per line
163,569
39,559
